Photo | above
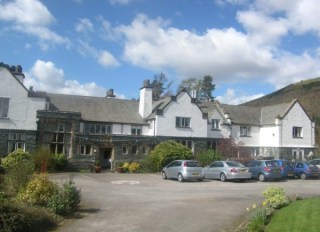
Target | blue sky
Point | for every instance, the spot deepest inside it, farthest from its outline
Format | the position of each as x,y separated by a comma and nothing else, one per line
85,47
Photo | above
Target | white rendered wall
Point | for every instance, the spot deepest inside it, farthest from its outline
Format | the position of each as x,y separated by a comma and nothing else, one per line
182,107
224,130
252,140
297,117
22,109
270,136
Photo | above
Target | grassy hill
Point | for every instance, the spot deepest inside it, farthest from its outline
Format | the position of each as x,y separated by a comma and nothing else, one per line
308,94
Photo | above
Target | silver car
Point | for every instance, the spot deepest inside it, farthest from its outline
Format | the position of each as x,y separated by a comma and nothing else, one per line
227,170
183,170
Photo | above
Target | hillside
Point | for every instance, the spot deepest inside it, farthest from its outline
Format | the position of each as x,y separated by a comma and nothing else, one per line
308,94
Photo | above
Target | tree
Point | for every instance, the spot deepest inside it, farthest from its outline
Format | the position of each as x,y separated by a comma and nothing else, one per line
199,89
157,84
166,152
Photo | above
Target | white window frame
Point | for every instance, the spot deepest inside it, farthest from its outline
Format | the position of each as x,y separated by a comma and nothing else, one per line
245,131
297,132
124,150
215,124
183,122
136,130
4,107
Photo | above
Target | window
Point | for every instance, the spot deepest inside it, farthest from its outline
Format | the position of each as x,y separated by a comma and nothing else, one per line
124,150
297,132
85,149
4,107
215,124
182,122
16,141
245,130
98,129
187,143
136,130
212,145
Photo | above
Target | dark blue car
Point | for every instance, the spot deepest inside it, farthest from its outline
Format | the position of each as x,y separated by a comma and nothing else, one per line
306,170
264,169
286,168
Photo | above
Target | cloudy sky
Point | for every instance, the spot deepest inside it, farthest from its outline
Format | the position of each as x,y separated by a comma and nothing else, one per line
85,47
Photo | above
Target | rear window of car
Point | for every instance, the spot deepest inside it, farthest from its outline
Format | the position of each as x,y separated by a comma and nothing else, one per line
192,164
234,164
272,164
287,163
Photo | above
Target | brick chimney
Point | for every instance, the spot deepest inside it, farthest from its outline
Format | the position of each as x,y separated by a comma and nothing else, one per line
145,103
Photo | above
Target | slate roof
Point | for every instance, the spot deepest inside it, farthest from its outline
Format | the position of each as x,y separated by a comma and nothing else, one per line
98,108
250,115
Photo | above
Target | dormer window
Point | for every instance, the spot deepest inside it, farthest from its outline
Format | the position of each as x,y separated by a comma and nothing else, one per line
245,131
136,130
215,124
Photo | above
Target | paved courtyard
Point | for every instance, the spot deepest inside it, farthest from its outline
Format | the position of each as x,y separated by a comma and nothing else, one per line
145,202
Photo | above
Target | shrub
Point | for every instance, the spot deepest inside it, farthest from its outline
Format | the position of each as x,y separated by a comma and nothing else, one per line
134,166
38,191
19,167
207,157
16,157
43,160
166,152
65,200
60,162
125,166
18,218
257,220
275,197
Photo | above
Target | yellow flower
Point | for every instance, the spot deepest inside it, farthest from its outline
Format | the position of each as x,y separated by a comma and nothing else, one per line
254,206
248,209
264,203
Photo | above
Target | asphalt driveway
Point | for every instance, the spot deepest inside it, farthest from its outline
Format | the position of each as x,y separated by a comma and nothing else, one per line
145,202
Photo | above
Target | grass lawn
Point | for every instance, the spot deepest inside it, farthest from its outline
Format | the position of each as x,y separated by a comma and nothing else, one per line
303,215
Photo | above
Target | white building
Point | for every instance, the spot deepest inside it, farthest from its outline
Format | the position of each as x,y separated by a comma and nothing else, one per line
107,128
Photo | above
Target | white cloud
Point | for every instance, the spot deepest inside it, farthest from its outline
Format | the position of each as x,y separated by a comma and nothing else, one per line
226,54
33,18
235,97
84,25
106,59
120,2
45,76
103,57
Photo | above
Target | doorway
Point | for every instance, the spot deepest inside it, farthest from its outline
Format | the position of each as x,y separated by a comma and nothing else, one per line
106,156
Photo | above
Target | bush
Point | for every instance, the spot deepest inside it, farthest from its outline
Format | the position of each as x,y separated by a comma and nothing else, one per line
43,160
275,197
166,152
207,157
65,200
134,167
38,191
19,167
257,220
60,162
14,158
18,218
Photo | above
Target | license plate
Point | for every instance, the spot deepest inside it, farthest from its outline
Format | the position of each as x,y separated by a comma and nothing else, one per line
195,174
289,174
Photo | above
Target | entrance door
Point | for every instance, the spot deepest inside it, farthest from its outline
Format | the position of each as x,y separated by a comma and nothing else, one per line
106,156
298,155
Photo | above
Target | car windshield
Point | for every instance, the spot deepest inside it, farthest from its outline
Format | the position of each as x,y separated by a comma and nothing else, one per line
192,164
271,163
234,164
310,165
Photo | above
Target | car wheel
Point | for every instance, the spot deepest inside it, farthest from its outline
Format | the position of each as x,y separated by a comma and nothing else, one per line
223,177
261,177
303,176
180,177
164,176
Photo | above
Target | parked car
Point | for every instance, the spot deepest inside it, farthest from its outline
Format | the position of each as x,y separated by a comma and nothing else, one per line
264,169
183,170
306,170
226,170
286,168
316,162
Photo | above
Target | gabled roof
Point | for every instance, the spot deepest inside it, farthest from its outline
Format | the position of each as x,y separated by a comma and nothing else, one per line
251,115
98,109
